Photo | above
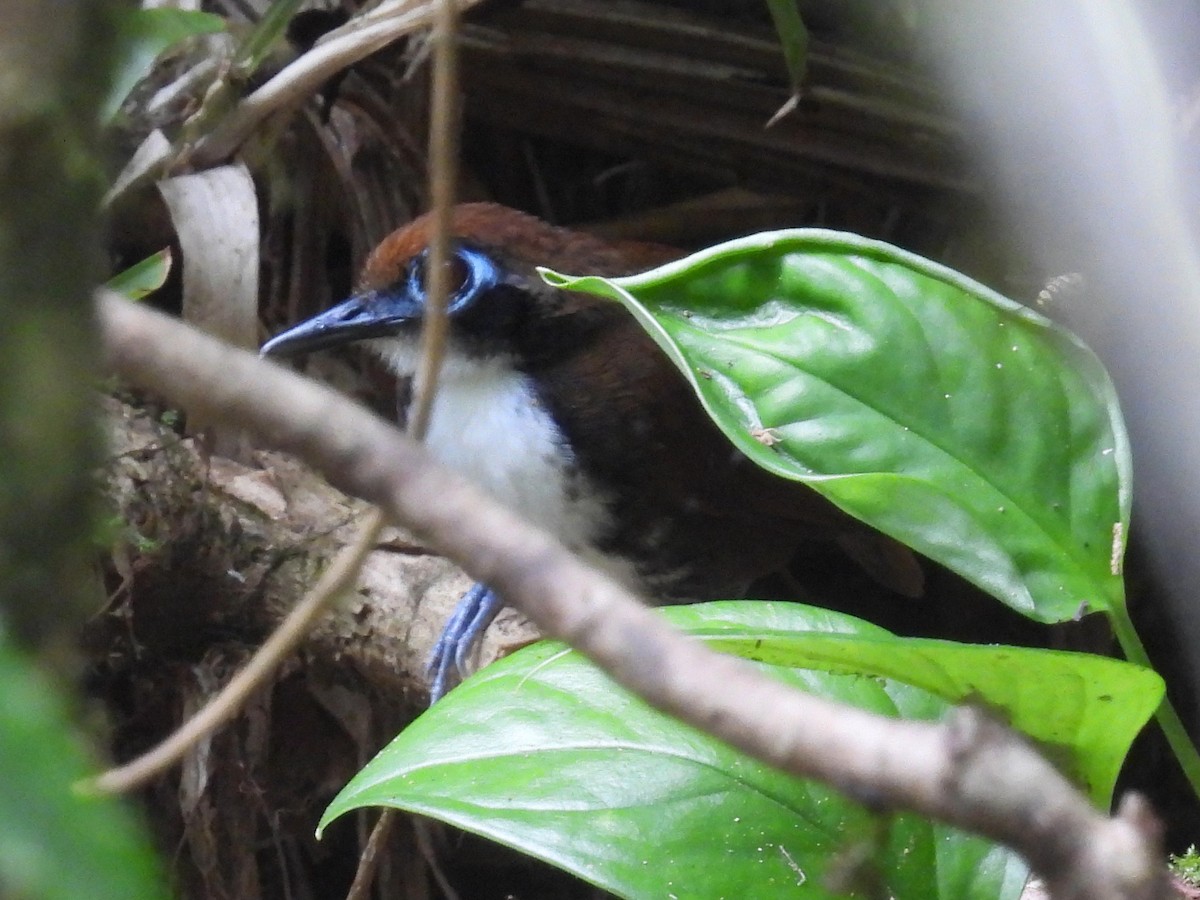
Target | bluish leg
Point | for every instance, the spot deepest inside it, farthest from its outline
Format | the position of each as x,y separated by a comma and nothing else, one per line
463,630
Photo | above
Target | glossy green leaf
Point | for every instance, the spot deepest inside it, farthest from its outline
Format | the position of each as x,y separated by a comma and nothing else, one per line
54,843
142,278
1083,710
145,35
542,752
916,399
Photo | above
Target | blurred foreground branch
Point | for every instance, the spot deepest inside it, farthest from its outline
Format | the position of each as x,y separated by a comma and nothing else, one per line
969,771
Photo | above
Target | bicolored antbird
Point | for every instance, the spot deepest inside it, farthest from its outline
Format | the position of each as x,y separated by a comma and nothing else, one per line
564,409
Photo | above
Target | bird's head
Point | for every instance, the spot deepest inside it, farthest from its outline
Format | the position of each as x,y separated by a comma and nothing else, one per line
497,302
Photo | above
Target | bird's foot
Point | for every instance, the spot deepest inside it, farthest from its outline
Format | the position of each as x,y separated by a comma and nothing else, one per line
450,659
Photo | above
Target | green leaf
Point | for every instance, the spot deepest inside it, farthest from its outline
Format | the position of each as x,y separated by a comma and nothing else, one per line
541,752
921,402
793,38
146,35
55,843
144,277
1083,710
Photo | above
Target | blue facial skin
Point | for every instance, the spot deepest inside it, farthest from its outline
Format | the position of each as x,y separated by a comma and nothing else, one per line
387,311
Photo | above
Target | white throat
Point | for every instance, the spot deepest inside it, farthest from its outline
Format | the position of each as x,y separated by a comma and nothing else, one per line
488,424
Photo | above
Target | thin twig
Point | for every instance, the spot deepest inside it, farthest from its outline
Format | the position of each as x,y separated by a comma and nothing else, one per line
368,862
344,570
423,832
336,580
443,169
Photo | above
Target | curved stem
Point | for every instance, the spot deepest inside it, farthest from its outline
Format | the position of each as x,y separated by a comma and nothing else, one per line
1168,719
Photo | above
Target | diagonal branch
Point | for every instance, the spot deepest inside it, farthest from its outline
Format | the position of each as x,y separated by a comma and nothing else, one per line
969,771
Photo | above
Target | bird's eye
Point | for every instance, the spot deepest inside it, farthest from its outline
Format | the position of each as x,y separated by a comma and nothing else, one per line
459,273
457,268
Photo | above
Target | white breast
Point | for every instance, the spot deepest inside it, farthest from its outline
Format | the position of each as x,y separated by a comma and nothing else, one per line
488,424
